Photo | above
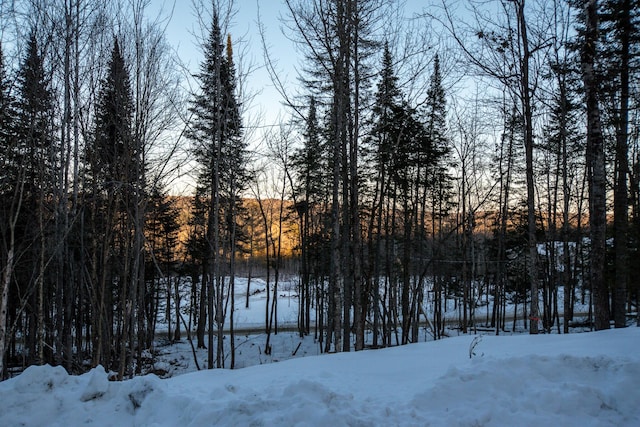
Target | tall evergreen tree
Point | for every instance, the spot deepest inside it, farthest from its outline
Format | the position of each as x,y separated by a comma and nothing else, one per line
387,108
407,151
7,127
115,165
216,129
37,157
595,153
384,146
434,180
112,152
9,201
9,165
620,37
309,165
438,149
564,139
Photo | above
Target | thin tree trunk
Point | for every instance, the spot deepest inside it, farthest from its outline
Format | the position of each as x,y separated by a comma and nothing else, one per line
358,315
232,274
528,144
4,299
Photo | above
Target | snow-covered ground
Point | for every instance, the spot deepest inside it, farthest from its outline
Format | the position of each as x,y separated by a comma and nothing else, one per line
250,341
582,379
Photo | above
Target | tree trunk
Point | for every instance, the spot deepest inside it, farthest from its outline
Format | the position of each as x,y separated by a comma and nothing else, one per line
596,168
528,145
4,299
621,205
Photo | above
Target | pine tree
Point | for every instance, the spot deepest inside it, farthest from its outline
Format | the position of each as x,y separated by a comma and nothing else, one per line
7,130
386,130
113,151
434,180
309,166
115,168
619,37
34,132
309,161
37,157
220,150
437,148
9,201
387,108
401,154
9,163
596,167
563,139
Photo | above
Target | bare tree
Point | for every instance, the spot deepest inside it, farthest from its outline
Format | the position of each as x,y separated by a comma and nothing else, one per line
335,36
504,51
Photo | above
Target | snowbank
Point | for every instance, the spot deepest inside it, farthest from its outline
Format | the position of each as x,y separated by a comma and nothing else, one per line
571,380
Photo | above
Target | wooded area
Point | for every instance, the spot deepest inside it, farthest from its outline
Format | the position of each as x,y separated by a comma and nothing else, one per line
482,152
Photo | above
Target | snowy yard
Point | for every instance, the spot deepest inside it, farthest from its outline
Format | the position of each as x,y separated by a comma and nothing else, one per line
585,379
580,379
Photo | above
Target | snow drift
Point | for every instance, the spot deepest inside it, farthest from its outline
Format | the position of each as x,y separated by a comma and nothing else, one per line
571,380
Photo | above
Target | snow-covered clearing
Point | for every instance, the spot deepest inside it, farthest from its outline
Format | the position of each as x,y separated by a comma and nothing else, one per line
583,379
580,379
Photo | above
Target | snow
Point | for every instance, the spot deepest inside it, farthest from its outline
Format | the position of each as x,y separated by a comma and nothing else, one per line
581,379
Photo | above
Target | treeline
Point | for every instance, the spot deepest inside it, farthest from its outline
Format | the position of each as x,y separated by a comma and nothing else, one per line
88,93
489,157
535,139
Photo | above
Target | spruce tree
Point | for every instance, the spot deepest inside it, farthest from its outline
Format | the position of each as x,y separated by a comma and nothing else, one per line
399,150
9,201
34,132
380,150
309,164
436,148
434,182
620,35
387,108
563,140
37,158
9,162
113,149
7,129
216,130
114,167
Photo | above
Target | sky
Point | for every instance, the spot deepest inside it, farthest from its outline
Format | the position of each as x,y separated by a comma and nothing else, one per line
184,33
263,103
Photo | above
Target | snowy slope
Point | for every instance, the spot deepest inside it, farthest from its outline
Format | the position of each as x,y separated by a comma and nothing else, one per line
587,379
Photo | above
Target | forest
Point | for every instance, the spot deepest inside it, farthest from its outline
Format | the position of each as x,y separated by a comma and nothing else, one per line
482,152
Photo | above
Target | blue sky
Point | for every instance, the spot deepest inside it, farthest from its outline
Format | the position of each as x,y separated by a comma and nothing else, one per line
184,34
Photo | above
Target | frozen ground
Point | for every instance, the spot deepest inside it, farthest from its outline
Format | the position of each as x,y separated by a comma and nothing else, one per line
585,379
